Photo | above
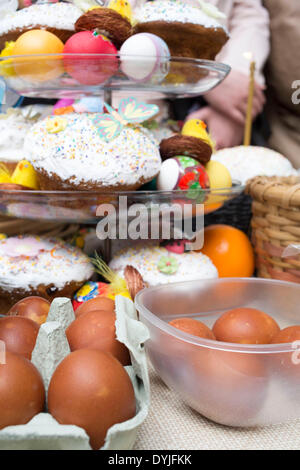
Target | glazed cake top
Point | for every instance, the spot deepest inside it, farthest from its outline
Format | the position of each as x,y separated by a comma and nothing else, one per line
55,15
152,264
28,261
245,162
75,151
175,11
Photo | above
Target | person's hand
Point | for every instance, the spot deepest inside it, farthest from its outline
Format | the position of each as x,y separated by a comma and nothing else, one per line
231,97
223,130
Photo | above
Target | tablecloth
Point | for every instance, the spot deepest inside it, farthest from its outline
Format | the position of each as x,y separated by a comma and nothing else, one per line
172,425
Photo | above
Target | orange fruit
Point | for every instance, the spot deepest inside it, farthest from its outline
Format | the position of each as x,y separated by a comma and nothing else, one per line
230,250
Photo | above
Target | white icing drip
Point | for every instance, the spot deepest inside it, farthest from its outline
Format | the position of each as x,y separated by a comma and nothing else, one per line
174,11
245,162
78,153
192,265
56,15
65,265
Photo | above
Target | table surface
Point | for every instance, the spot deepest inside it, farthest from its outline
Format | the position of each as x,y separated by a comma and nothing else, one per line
172,425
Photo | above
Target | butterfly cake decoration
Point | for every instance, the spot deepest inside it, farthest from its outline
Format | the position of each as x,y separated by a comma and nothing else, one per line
130,111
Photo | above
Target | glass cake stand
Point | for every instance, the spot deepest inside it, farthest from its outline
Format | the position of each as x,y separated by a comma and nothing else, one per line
79,75
87,207
76,76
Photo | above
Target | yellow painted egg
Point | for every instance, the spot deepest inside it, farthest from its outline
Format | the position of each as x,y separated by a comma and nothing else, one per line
38,41
218,174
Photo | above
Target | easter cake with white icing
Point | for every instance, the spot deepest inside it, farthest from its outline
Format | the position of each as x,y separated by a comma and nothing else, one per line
57,18
246,162
189,31
160,264
89,151
46,267
13,129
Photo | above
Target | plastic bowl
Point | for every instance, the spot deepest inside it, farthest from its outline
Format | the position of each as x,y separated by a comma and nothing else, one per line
231,384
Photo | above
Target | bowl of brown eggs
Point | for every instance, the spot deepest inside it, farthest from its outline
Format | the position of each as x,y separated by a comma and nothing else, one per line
229,347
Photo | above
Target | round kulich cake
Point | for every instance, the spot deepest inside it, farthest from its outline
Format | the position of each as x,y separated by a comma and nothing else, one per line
46,267
57,18
13,129
157,265
106,21
246,162
68,153
188,30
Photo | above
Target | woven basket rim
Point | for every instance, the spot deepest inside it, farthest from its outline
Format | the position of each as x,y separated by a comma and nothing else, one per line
283,191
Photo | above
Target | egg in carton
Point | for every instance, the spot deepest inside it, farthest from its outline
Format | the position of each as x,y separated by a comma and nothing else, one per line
43,431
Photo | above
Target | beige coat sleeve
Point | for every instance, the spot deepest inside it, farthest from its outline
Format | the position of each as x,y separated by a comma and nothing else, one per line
248,24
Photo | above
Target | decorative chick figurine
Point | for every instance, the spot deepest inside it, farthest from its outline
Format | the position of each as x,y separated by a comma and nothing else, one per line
194,141
122,7
197,128
6,66
23,175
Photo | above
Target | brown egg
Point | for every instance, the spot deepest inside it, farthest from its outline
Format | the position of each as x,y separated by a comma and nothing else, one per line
97,330
192,327
35,308
98,303
227,387
92,390
245,326
287,335
19,335
286,365
22,393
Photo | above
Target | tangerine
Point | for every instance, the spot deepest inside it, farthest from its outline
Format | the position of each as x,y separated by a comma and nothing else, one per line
230,250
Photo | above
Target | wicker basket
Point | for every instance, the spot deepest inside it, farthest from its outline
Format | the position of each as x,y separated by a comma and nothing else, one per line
236,213
275,225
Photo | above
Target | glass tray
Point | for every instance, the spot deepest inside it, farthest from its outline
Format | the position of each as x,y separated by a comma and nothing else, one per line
78,75
81,206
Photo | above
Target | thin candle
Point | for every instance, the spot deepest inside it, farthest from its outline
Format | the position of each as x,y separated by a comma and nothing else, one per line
248,124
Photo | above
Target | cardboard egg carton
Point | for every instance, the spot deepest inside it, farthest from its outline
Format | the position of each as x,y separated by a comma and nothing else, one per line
43,431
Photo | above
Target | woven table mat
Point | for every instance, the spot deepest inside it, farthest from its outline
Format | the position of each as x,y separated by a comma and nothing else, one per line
172,425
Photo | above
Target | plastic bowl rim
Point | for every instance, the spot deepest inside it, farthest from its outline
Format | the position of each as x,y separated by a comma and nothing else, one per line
208,343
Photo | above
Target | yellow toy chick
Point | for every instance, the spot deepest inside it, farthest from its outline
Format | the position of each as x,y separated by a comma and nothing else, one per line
197,128
122,7
6,66
5,176
24,175
117,285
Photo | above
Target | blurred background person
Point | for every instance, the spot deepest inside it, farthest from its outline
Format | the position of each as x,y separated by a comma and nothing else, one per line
282,74
224,108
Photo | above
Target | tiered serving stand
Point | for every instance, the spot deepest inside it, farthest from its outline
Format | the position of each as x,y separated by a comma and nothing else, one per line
45,76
